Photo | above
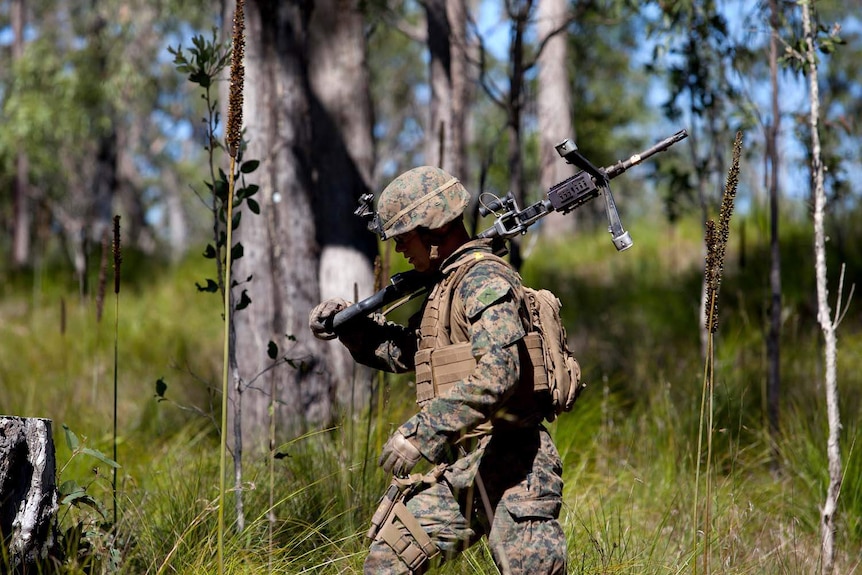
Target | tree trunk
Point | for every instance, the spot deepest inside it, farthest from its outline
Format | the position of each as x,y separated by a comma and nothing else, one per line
461,90
22,222
28,492
343,157
280,248
824,313
448,79
177,222
439,127
773,346
554,102
515,105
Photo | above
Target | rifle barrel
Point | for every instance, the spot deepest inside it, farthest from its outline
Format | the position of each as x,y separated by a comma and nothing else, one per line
636,159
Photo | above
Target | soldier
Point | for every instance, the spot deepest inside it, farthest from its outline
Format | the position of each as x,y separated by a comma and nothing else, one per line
498,472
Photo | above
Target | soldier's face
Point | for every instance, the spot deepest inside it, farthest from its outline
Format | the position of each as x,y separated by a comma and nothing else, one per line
411,245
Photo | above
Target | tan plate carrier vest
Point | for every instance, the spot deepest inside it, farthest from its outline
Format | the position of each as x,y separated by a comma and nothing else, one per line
439,362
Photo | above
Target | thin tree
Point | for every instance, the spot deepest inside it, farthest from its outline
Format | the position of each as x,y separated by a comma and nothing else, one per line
233,141
824,313
449,81
773,347
20,191
513,99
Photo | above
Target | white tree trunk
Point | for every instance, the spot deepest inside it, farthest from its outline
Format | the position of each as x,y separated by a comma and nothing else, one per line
824,313
28,491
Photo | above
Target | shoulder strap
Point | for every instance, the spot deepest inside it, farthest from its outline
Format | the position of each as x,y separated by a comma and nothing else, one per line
435,326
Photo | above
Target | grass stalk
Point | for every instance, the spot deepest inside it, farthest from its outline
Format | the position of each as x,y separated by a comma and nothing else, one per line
100,307
233,140
118,259
199,518
716,238
270,514
225,374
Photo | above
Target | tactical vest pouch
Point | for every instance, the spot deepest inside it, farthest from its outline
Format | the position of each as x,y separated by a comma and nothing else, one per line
563,371
395,525
535,348
437,369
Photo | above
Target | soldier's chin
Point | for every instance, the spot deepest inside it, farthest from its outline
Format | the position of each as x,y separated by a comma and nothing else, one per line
421,267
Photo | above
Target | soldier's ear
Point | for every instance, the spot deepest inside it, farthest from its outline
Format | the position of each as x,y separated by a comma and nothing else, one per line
438,234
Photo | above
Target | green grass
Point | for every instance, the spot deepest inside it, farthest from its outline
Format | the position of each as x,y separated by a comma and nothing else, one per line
629,447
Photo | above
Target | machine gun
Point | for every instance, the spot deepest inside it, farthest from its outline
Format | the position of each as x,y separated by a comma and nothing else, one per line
589,183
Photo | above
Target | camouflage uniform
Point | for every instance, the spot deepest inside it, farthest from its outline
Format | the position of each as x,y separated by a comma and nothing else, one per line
486,427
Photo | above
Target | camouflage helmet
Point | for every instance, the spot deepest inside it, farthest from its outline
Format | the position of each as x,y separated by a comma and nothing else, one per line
422,197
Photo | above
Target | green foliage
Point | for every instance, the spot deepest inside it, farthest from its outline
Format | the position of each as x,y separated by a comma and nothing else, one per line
204,62
86,541
603,64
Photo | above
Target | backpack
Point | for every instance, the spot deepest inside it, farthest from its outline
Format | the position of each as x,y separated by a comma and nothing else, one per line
563,371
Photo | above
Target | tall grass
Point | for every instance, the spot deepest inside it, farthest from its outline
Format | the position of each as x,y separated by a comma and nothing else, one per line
634,325
629,446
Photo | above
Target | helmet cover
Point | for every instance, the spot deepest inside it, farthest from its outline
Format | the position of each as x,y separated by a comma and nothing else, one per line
422,197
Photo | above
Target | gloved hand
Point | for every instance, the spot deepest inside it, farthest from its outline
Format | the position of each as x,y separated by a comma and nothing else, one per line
320,318
399,455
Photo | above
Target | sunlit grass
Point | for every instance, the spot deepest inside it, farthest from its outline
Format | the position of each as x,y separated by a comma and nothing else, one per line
62,369
629,445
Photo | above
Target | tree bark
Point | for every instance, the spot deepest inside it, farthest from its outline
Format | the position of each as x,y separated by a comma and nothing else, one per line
448,79
439,127
28,492
343,157
519,12
280,249
461,90
554,102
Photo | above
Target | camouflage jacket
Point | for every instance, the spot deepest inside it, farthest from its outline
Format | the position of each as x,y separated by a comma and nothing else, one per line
485,311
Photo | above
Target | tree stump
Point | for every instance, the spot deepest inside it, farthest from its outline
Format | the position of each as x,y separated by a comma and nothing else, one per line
28,492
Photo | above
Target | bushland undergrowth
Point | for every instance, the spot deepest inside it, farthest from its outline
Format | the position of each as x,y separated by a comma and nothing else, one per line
629,446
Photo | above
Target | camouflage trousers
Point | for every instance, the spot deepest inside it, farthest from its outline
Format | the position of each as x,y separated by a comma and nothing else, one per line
523,491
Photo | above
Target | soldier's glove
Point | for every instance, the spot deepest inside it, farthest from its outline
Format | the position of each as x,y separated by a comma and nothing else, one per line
399,455
320,318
